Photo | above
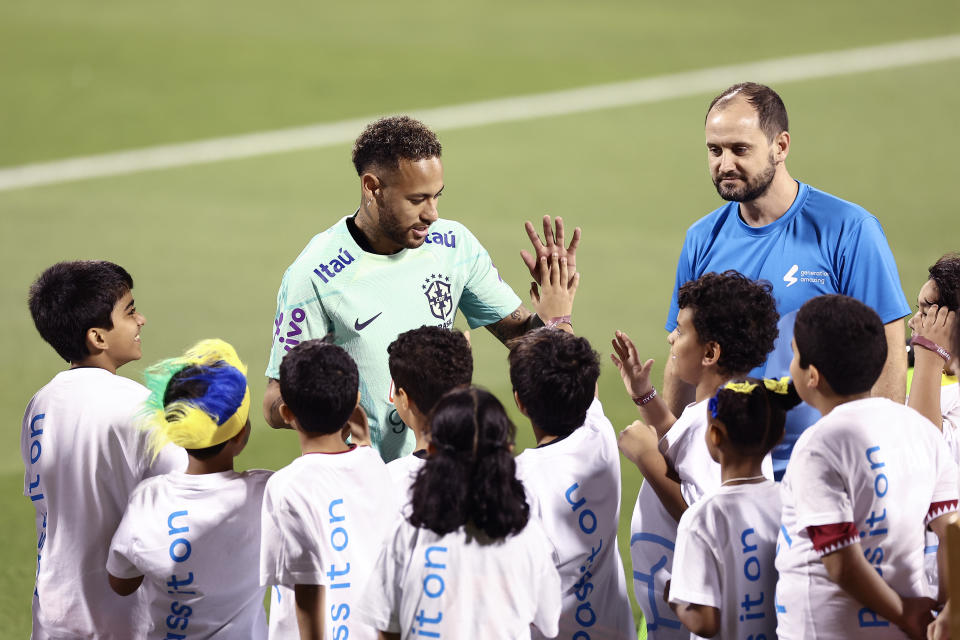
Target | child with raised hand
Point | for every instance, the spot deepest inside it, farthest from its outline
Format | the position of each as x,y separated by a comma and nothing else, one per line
425,363
572,476
862,485
470,561
325,514
82,451
723,567
726,326
194,537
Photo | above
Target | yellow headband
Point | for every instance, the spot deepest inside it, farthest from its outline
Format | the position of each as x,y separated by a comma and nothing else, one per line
198,423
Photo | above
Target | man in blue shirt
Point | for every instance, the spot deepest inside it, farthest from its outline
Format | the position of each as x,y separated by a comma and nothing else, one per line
803,241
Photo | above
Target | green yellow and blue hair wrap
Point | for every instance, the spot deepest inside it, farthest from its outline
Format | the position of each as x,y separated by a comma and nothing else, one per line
197,423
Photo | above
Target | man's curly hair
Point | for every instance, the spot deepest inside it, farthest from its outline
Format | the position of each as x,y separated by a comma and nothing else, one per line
384,142
737,313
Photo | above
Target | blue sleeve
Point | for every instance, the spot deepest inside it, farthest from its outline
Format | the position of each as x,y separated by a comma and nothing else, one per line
684,275
869,273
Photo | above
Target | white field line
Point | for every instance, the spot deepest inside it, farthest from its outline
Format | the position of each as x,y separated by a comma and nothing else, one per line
555,103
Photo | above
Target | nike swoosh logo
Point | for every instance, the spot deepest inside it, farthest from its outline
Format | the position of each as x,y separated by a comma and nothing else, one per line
361,325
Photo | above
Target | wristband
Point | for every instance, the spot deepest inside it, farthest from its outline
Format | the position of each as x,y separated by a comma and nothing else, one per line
645,398
552,324
930,345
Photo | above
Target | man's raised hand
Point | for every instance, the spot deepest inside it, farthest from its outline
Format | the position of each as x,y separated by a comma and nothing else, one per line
552,243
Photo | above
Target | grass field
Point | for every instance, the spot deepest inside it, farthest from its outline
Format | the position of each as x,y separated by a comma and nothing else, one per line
86,77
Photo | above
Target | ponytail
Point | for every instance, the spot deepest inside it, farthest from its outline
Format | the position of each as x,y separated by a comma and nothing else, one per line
754,411
471,475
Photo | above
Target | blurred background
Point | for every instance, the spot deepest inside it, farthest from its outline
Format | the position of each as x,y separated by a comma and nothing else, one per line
208,243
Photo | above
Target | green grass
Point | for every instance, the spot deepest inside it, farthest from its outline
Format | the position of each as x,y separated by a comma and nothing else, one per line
207,245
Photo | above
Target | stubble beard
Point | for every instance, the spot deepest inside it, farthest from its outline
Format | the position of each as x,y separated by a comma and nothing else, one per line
753,189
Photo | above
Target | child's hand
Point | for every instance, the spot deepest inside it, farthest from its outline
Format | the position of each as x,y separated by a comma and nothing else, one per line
358,428
939,629
638,440
916,617
636,376
936,326
557,290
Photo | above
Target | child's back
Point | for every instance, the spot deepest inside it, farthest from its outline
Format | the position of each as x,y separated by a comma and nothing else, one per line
83,457
573,485
196,538
324,519
724,557
876,464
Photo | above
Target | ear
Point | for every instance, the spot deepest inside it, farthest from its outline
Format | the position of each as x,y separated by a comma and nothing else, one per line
523,410
715,434
239,441
371,185
814,379
358,400
711,354
781,146
288,416
401,399
96,339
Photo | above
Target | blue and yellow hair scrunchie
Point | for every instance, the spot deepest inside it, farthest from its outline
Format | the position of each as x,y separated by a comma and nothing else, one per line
197,423
780,386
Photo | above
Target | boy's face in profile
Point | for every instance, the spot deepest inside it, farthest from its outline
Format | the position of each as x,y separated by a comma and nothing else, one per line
686,350
799,375
123,340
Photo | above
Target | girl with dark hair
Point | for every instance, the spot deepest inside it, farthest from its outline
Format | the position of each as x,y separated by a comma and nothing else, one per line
469,562
726,542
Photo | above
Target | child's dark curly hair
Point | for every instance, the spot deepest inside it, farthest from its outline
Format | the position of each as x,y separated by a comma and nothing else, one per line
945,272
737,313
754,412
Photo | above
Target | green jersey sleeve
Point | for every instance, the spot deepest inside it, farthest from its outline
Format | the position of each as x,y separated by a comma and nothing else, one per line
486,297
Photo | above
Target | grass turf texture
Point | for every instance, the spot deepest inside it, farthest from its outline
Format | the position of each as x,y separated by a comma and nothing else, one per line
89,77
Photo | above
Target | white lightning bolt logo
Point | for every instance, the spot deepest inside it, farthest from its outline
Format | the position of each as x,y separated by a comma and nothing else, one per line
789,278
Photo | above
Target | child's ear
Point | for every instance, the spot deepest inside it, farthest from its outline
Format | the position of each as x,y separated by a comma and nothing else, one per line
711,353
814,379
516,398
715,434
240,440
96,339
287,415
401,399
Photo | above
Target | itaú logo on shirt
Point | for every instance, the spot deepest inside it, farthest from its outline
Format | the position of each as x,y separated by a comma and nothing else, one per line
816,277
327,270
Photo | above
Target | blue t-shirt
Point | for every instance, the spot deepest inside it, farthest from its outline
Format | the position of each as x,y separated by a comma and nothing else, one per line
821,245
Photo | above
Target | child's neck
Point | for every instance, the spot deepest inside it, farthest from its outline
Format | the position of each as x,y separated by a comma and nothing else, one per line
825,403
736,469
711,380
542,436
216,464
322,443
96,361
417,425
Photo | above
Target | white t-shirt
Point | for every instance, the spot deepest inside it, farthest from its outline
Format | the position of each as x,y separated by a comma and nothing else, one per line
199,537
403,472
324,519
573,486
83,456
463,585
881,466
653,531
950,410
724,558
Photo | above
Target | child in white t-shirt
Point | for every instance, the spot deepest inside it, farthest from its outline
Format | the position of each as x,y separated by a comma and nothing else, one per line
723,567
326,513
424,363
195,536
82,453
470,562
862,484
726,326
572,476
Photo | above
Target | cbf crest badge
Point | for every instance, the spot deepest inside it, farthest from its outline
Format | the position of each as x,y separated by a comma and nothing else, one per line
437,290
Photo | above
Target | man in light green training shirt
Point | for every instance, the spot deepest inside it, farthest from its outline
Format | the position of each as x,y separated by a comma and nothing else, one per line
392,266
